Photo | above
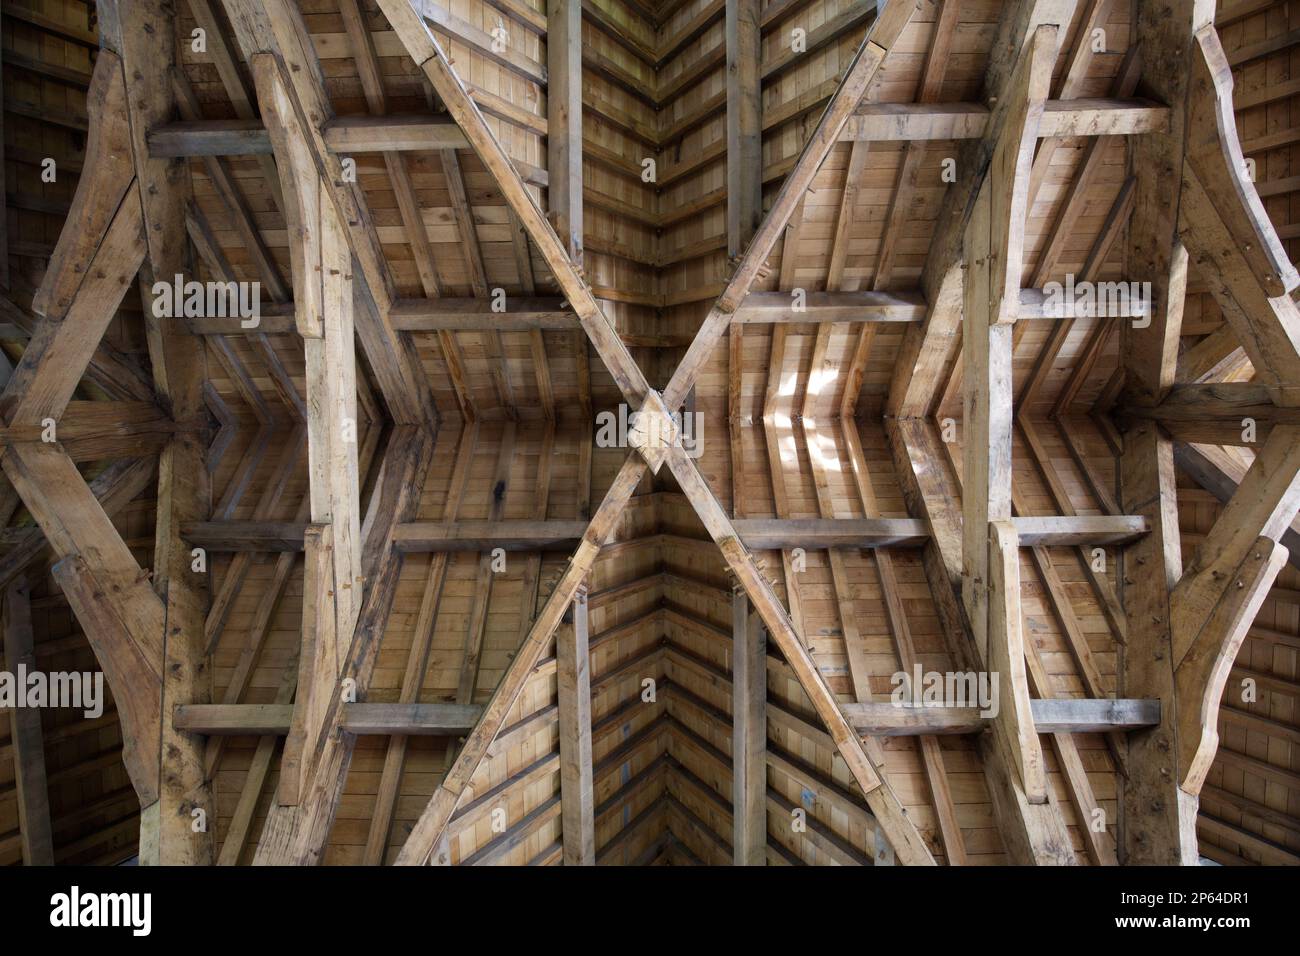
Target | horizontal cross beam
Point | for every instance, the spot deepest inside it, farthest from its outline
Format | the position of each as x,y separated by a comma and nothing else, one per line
359,718
1055,716
879,718
552,313
343,136
911,122
758,534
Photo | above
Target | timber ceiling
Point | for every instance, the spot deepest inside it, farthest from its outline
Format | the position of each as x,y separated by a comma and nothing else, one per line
801,420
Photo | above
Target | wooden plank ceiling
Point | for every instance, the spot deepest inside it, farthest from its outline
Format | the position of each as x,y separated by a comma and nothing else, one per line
823,231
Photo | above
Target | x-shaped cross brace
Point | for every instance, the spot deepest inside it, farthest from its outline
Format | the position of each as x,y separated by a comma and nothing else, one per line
424,48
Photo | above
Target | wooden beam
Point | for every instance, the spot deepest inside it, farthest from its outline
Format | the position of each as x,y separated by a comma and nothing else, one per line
1157,824
275,41
1216,357
564,122
1264,506
345,135
107,176
138,34
1217,413
64,342
749,733
1205,656
114,488
762,534
105,430
994,245
573,681
831,306
1154,823
1078,530
1074,117
1226,228
427,53
1032,833
901,832
744,114
25,733
323,297
1059,715
418,657
1007,657
1221,472
110,369
373,719
119,613
759,534
929,351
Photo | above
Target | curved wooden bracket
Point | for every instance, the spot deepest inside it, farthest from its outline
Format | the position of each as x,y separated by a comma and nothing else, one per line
1202,674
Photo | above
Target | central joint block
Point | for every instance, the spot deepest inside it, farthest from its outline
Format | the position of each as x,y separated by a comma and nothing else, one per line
652,431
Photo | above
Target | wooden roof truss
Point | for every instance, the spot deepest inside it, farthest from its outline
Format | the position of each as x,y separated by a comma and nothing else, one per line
1180,626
